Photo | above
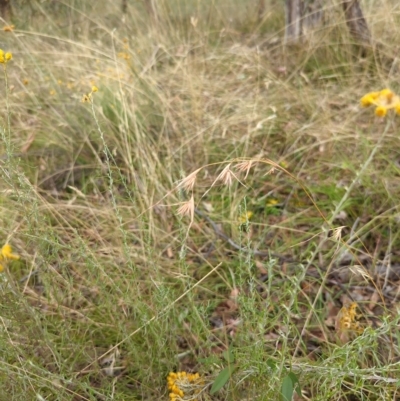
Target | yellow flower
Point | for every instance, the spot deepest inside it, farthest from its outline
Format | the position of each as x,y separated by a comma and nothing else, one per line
272,202
124,55
245,217
8,28
192,383
86,98
381,111
95,88
347,319
385,93
367,100
4,57
6,253
383,100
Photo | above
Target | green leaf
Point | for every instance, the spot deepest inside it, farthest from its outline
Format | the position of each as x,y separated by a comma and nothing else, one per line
228,355
222,379
287,389
208,360
271,363
296,383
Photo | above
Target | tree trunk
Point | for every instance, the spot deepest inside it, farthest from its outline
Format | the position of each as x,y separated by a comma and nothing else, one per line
356,22
260,9
303,14
5,9
313,13
124,6
294,26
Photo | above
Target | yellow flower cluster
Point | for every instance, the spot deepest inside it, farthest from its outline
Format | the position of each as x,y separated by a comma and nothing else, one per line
383,100
86,98
183,385
346,319
6,255
245,217
8,28
5,57
124,55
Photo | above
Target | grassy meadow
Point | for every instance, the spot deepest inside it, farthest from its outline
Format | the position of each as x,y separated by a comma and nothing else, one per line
188,194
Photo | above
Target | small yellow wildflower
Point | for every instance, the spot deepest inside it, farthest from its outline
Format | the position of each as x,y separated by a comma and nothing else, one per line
386,93
86,98
6,255
245,217
367,100
381,111
346,320
8,28
5,57
184,386
52,92
124,55
383,100
272,202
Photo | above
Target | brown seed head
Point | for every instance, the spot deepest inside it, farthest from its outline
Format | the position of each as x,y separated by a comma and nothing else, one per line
244,166
188,182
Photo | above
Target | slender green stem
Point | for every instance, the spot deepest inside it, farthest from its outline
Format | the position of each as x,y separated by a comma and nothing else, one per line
339,206
330,221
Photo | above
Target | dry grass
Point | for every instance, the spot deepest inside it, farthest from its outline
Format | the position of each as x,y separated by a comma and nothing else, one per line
127,210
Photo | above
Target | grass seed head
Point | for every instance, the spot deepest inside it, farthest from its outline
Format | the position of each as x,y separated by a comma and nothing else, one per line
187,209
244,166
188,182
337,233
226,176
